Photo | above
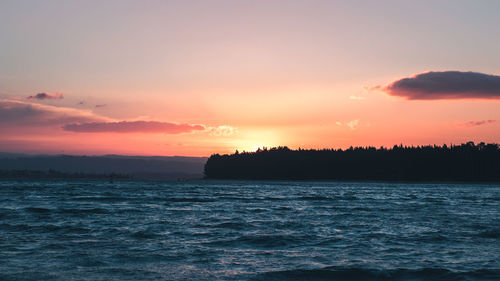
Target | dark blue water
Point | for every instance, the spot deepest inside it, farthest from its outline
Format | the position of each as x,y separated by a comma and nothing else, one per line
248,231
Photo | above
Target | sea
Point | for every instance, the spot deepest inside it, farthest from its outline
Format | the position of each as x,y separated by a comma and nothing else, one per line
248,230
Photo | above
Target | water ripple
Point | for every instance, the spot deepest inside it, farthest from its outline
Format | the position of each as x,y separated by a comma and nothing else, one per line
243,230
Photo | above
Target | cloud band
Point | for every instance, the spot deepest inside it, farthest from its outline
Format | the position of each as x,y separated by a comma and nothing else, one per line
133,127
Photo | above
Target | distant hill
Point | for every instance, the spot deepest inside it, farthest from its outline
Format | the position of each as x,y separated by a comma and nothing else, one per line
465,162
138,167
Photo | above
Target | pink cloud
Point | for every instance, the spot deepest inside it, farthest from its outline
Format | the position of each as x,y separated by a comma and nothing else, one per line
133,127
25,117
46,96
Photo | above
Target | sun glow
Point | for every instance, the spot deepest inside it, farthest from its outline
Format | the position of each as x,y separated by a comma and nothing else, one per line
253,140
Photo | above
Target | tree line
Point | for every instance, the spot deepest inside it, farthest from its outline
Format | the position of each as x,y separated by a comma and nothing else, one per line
464,162
53,174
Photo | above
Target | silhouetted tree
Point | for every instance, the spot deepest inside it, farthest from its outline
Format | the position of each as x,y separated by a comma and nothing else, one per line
465,162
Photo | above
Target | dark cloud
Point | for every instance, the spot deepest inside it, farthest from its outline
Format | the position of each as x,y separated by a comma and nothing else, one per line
133,127
100,105
46,96
477,123
15,114
445,85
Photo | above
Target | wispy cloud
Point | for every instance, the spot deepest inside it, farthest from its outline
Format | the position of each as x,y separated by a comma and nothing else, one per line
356,98
476,123
100,105
445,85
353,124
46,96
133,127
223,130
24,116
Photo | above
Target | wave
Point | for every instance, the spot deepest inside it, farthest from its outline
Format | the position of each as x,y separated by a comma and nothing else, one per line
38,210
104,199
231,225
314,198
188,199
46,228
493,233
262,241
83,211
352,274
144,235
325,198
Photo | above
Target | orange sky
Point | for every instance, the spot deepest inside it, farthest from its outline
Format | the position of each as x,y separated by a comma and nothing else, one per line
177,78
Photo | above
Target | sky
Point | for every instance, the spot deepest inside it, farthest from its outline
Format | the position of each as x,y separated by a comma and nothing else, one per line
195,78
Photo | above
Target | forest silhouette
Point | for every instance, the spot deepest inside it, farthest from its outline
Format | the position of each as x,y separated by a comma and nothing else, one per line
464,162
